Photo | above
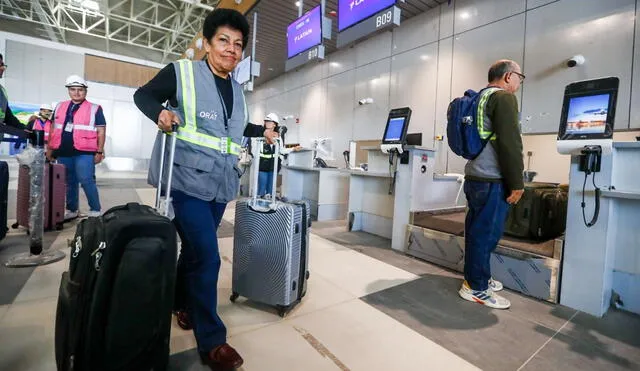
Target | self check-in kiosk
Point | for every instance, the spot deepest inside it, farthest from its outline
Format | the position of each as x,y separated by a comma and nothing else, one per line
602,234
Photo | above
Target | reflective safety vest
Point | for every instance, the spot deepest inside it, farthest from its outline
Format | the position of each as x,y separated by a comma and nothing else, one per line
189,132
43,126
208,139
482,119
85,134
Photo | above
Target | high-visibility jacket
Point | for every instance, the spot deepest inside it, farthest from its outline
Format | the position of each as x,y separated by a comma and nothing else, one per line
206,157
45,126
85,134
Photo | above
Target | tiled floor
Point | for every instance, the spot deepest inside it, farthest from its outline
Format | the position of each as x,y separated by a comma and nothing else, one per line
367,308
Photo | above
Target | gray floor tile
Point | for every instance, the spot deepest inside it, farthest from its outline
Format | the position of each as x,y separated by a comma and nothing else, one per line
568,353
12,280
617,333
225,230
189,360
490,339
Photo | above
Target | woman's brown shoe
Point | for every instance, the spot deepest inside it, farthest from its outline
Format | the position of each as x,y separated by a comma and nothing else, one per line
183,320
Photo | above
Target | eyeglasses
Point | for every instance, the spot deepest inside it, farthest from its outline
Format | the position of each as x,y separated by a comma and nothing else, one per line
521,76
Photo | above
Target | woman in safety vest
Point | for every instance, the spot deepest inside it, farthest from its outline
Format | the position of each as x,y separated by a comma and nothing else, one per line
211,110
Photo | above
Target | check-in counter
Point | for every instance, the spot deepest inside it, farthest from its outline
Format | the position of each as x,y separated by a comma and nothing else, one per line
326,190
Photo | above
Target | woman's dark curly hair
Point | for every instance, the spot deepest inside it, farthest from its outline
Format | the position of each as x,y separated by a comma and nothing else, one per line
226,17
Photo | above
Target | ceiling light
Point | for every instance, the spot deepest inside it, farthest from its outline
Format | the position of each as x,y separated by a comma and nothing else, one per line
425,57
465,15
298,4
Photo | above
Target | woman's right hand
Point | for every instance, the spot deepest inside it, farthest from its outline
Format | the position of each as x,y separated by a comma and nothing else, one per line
166,119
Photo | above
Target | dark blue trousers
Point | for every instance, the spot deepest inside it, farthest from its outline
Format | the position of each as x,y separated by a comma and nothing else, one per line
484,226
197,223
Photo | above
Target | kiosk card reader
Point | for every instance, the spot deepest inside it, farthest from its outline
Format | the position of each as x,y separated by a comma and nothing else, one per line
395,133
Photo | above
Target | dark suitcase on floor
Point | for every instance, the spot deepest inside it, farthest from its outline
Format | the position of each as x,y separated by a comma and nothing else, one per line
54,196
4,197
540,214
115,301
271,249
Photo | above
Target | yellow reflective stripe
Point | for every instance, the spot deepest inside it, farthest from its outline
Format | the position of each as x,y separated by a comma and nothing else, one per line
481,106
207,141
189,132
188,93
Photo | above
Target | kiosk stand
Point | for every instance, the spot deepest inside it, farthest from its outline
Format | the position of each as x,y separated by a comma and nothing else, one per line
602,241
400,180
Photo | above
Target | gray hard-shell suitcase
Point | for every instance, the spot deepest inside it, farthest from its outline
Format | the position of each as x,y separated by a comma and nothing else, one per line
270,248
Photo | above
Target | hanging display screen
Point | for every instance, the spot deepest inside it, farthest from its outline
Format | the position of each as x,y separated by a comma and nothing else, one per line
304,33
351,12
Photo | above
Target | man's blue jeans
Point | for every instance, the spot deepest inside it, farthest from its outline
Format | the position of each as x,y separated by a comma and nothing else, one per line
484,226
81,170
197,223
265,183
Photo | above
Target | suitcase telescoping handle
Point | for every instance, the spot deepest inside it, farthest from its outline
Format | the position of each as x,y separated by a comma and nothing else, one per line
256,204
163,207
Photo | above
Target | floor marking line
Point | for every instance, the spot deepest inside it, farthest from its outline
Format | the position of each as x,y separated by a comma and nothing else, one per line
547,342
320,348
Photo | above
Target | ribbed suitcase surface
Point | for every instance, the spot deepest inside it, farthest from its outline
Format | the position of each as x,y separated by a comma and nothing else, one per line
270,253
55,193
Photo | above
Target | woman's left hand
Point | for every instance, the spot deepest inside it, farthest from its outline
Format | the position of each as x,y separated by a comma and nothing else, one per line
98,157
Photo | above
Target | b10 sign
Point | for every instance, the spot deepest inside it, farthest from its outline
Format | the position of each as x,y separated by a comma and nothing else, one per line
351,12
304,33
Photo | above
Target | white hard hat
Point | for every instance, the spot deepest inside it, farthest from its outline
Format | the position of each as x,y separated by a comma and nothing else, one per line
46,106
75,80
272,117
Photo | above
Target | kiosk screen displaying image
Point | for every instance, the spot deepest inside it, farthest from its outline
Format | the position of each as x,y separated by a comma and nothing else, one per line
587,114
394,129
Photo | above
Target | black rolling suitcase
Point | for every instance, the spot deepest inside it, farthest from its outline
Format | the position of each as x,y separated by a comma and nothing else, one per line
4,196
115,301
540,214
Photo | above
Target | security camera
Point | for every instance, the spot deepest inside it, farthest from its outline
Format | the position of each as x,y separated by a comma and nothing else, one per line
364,101
576,60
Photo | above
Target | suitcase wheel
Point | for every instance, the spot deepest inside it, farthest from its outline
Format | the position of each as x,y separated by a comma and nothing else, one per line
15,225
59,226
282,311
234,297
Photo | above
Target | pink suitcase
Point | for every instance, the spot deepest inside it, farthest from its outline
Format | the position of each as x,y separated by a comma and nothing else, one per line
54,193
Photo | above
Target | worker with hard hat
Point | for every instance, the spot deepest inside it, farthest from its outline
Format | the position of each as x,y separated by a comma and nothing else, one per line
77,141
265,175
41,121
6,116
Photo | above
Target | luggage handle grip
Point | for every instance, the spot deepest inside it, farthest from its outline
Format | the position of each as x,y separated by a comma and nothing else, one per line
254,205
163,208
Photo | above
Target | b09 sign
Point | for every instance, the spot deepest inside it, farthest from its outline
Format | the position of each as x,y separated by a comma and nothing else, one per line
304,33
351,12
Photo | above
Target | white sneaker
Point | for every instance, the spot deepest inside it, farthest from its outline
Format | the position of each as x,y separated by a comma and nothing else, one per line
494,285
94,214
488,297
68,215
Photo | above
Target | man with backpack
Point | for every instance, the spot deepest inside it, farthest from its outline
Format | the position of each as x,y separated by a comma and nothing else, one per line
484,128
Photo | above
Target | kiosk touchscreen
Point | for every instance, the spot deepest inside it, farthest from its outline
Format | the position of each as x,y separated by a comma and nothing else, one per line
588,115
395,133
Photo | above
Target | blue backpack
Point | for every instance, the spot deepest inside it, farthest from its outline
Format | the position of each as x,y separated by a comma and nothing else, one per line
462,125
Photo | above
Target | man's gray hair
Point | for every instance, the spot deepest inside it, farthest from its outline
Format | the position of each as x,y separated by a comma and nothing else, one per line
499,68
